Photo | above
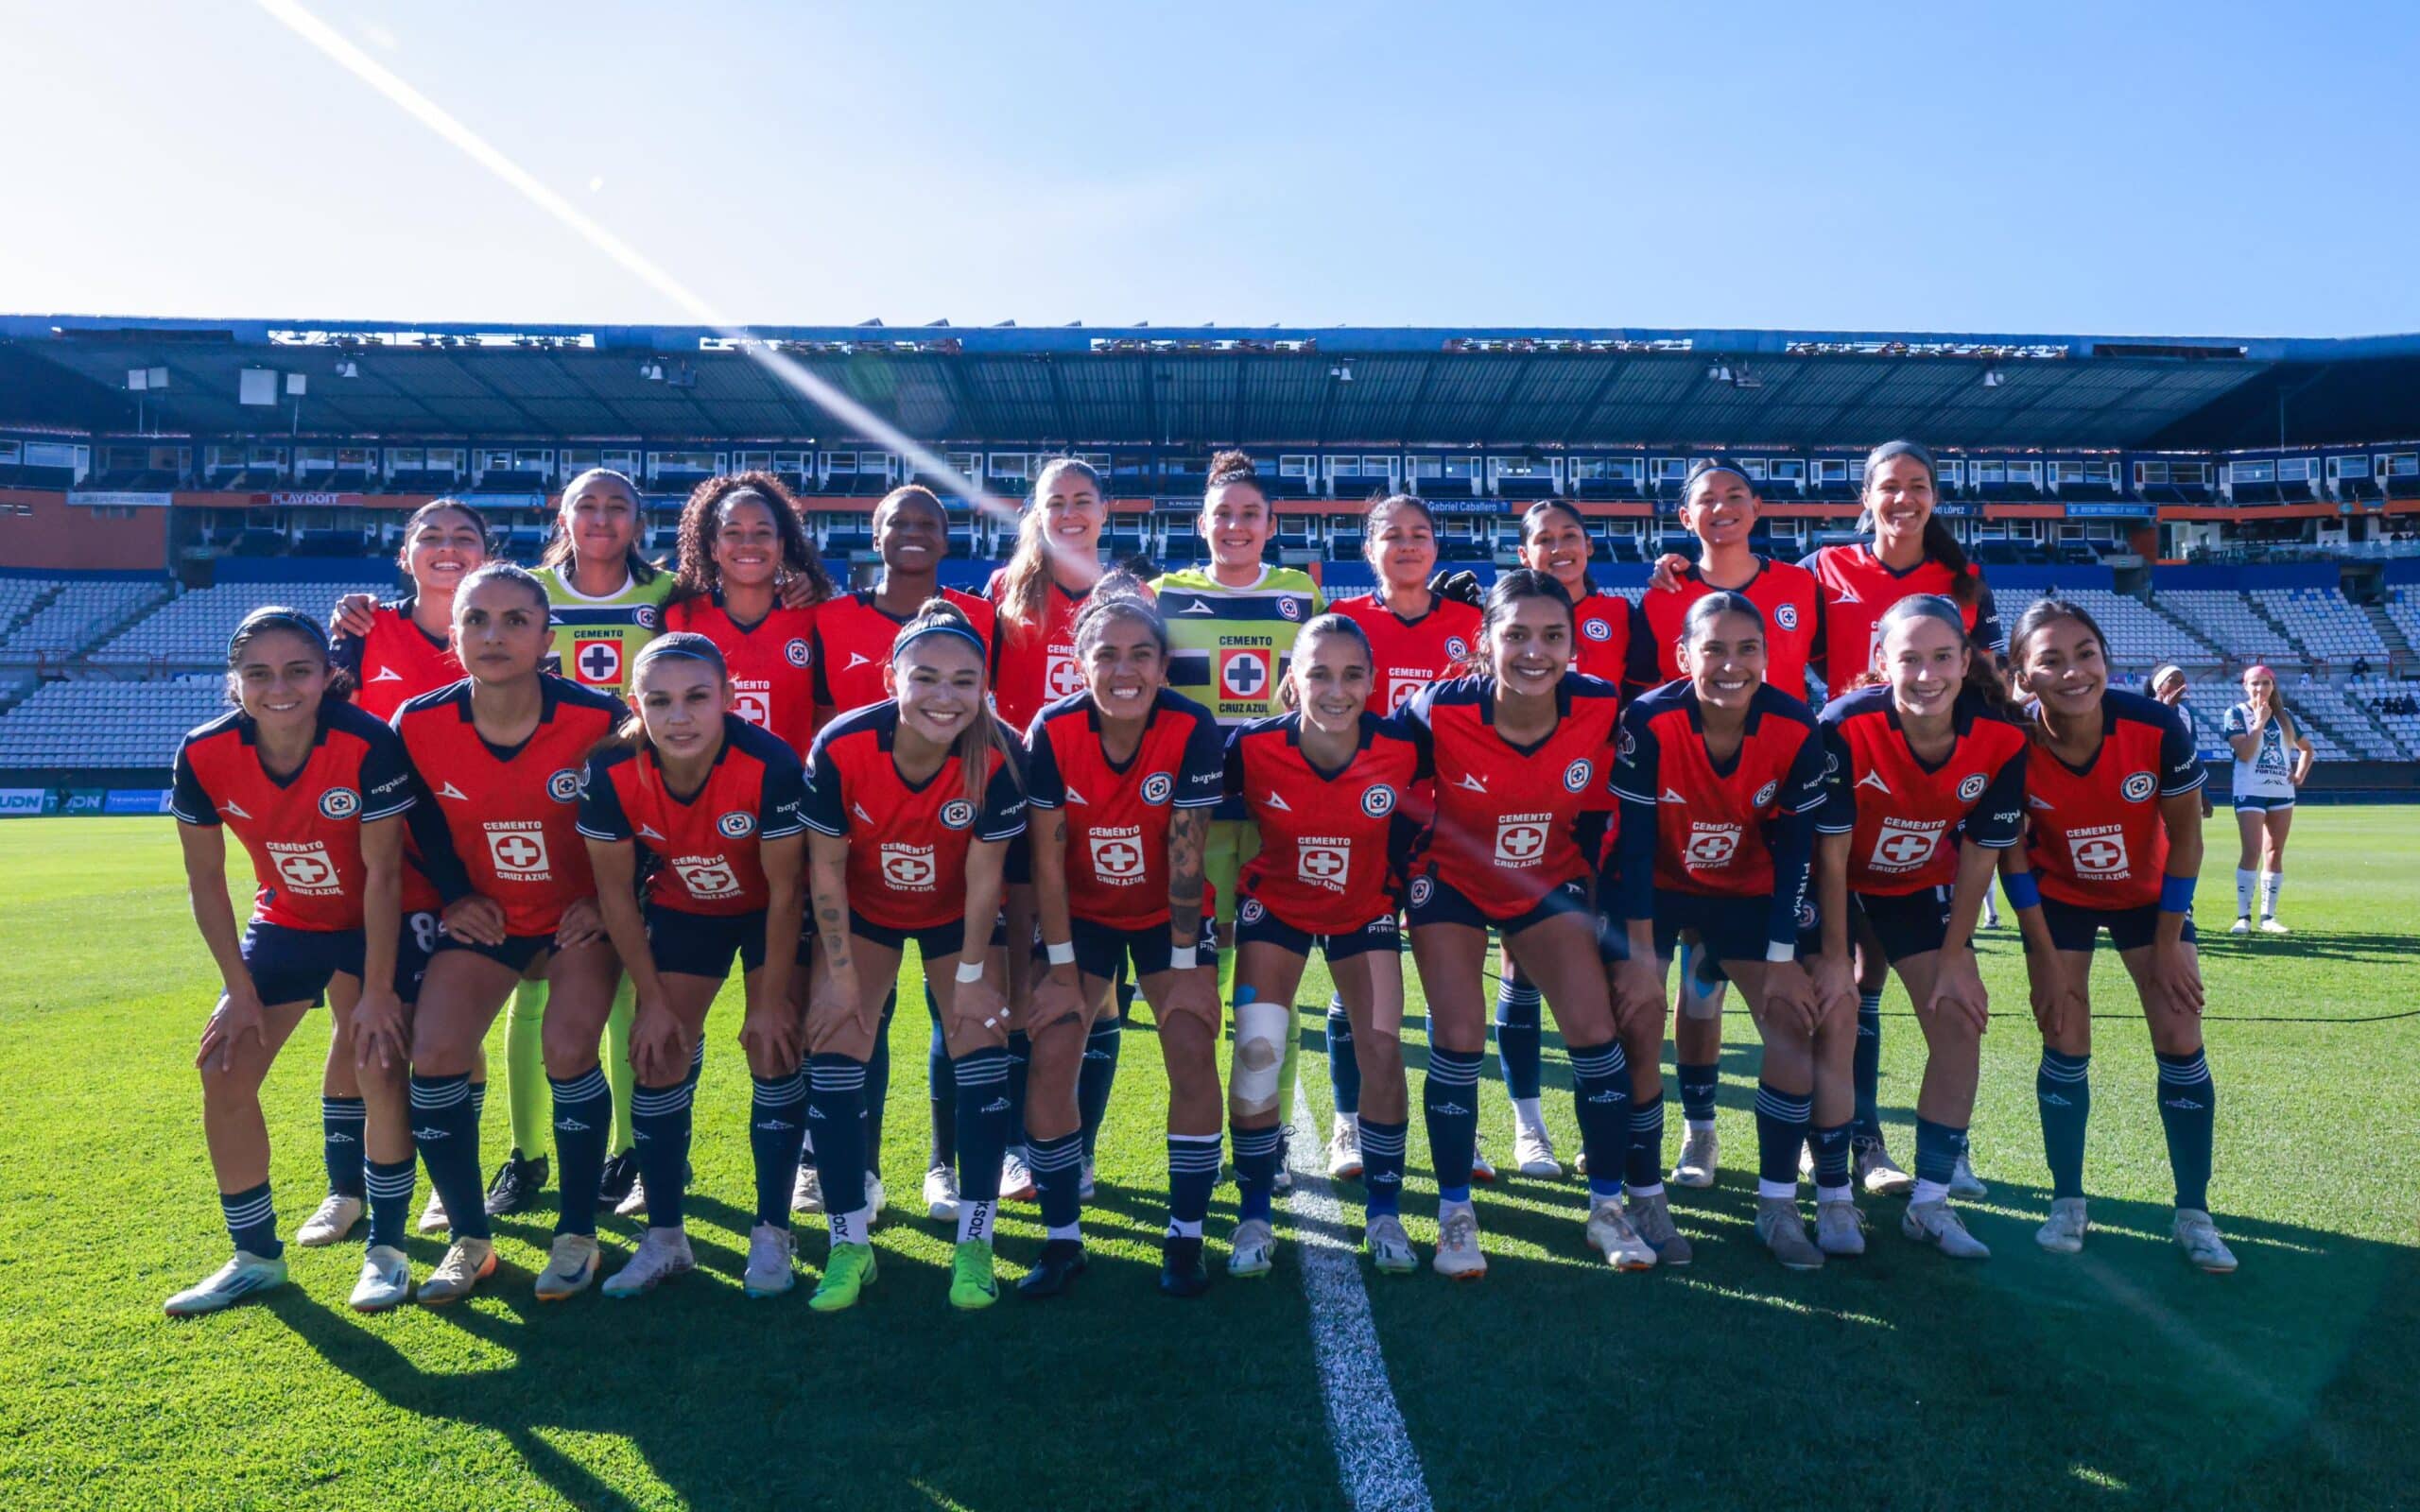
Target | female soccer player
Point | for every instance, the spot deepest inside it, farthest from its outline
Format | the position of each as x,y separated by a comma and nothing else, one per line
1721,775
712,804
1325,784
1416,637
1122,777
2115,842
2271,758
914,801
501,754
1519,753
2167,685
314,788
744,563
1929,784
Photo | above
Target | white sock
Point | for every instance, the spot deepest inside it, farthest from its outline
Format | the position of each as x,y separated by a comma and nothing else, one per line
1833,1195
975,1220
1655,1191
1928,1191
1526,1113
850,1228
1063,1231
2244,883
1699,1126
1184,1229
1780,1191
2271,883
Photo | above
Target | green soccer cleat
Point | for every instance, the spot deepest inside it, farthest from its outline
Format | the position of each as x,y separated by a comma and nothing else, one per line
847,1273
972,1284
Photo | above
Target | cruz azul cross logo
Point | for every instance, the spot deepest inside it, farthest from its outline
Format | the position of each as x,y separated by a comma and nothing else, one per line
597,663
1903,845
2099,852
1243,671
1118,853
1323,860
305,867
518,851
706,876
753,699
1060,673
1521,839
1711,845
908,868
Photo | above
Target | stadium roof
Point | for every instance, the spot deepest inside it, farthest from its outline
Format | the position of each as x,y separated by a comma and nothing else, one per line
1159,384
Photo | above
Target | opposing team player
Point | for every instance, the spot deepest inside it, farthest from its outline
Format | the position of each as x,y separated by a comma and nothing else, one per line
1122,780
1324,783
914,801
2113,797
314,789
2271,758
748,579
500,755
1519,753
707,807
1927,786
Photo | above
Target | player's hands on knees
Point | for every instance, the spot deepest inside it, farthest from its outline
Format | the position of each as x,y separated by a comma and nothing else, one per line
1834,983
772,1034
239,1013
1057,995
356,614
978,1016
380,1036
1790,999
474,920
658,1050
583,923
834,996
1195,992
1637,996
2178,976
1957,990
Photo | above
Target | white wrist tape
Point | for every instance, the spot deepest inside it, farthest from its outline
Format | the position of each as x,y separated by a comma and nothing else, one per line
1063,953
970,970
1182,958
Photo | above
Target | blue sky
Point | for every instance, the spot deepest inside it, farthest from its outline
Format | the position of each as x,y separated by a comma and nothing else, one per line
2099,168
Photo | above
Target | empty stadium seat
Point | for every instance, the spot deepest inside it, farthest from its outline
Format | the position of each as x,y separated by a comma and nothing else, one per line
80,613
109,724
2223,617
191,630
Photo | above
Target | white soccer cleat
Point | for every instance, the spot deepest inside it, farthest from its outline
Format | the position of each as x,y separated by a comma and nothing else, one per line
1701,1158
230,1283
1253,1252
1084,1186
330,1221
1963,1180
1458,1256
1533,1152
1344,1148
1016,1182
769,1252
1611,1235
1390,1248
2199,1238
386,1280
663,1254
1784,1231
1838,1231
2268,925
1481,1168
571,1267
2062,1233
432,1218
875,1198
2241,926
1879,1176
941,1193
1283,1181
634,1203
1652,1217
467,1262
1938,1224
806,1193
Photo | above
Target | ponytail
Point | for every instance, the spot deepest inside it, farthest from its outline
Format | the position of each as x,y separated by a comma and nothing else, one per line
1939,543
1320,628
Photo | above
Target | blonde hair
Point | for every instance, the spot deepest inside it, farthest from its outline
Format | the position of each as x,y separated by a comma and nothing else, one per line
1025,583
984,733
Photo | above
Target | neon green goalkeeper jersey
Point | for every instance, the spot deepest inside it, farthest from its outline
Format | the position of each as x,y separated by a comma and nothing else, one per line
1228,647
597,639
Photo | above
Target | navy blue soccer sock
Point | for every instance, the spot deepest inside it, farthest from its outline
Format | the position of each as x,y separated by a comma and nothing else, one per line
776,1124
445,1126
1781,1132
979,1082
1020,1058
583,1126
877,1087
251,1221
1256,1171
1449,1105
1193,1170
1600,1095
1096,1078
1382,1147
1699,1085
940,1077
390,1185
1831,1145
2188,1107
1866,1066
1938,1147
1644,1172
1519,1036
1343,1072
660,1117
1058,1168
2062,1089
836,1109
341,1121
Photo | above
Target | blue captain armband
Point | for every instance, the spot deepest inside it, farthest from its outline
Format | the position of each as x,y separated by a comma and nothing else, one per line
2023,892
2176,894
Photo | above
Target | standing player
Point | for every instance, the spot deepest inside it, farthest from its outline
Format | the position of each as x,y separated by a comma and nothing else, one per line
1323,783
1929,784
914,801
1122,779
1721,776
1416,637
748,579
712,804
1518,755
500,754
2113,841
313,788
2271,758
2167,685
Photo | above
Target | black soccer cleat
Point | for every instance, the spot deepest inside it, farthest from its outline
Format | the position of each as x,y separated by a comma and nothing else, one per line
1182,1272
1061,1262
621,1173
516,1186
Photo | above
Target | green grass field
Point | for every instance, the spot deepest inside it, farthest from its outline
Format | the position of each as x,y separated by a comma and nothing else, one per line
1901,1380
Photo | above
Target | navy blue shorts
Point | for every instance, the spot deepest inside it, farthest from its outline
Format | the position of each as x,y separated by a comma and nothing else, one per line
517,951
1256,925
1906,924
296,964
2256,803
2074,927
417,943
1103,950
1434,900
1729,929
937,943
704,944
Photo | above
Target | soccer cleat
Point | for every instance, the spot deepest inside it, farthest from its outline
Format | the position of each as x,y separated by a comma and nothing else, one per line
1390,1248
1481,1168
467,1262
768,1272
386,1280
1344,1150
1533,1153
433,1218
2063,1232
2243,926
875,1197
1182,1273
1016,1179
1084,1186
1701,1158
1938,1224
1651,1219
330,1221
634,1203
571,1267
1283,1181
1457,1252
1784,1234
2199,1238
847,1272
1611,1235
1838,1231
229,1284
806,1193
2268,925
516,1186
1807,1160
941,1193
972,1283
1580,1164
1963,1182
1252,1252
663,1254
1061,1261
620,1175
1875,1171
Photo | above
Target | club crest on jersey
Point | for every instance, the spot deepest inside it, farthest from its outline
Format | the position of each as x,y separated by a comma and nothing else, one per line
1597,629
597,663
339,802
1711,845
1378,802
1575,777
1786,616
564,786
1971,788
646,616
957,814
1290,607
1244,672
1156,788
737,825
2138,787
1421,890
797,652
1250,913
1765,794
1457,647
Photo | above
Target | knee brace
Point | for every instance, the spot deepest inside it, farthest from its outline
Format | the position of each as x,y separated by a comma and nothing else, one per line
1261,1052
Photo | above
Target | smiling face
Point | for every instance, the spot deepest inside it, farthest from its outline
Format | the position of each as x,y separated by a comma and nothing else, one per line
939,683
1724,657
747,542
2066,667
1556,544
1124,667
441,551
1900,494
682,700
1235,520
1721,508
911,535
1073,512
602,518
1529,645
500,629
1402,546
1331,678
280,677
1925,662
2170,688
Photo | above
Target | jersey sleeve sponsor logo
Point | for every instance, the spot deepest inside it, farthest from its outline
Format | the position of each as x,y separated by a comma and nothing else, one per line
1378,802
737,825
339,802
1323,860
907,867
306,868
1244,672
1118,853
957,814
1521,839
563,786
1970,787
1710,846
1786,616
1904,844
2138,787
517,849
1765,794
1156,788
2100,852
1575,777
797,652
597,663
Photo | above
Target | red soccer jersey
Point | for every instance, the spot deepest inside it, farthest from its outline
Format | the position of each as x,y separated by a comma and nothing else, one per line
1789,598
1711,821
1609,640
1509,817
396,661
772,663
2095,838
512,815
1033,665
303,834
1117,813
1325,865
1859,589
1408,655
853,645
1898,813
702,849
908,841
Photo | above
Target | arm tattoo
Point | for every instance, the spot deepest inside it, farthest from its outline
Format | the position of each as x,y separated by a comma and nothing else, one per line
1187,829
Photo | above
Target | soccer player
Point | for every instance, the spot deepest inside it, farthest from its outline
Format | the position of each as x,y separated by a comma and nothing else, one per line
1324,783
1721,775
314,788
2168,684
743,563
707,806
500,757
1518,754
1719,506
1928,785
2271,758
1416,637
1122,777
912,802
2113,842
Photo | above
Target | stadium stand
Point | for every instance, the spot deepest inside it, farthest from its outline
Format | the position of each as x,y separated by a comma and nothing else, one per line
80,612
2226,619
191,630
2323,621
2139,636
108,724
